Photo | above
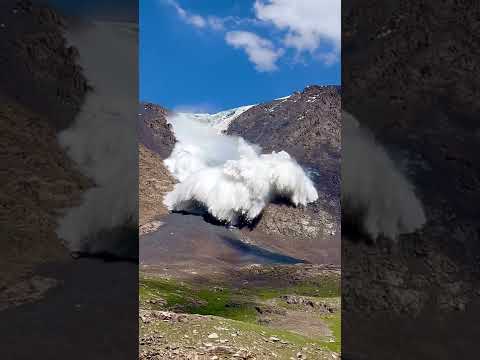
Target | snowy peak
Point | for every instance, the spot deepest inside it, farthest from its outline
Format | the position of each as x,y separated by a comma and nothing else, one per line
221,120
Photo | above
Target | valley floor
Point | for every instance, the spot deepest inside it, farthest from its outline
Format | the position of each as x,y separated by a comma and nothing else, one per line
256,312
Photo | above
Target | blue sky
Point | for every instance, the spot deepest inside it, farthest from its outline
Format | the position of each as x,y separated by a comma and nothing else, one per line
217,54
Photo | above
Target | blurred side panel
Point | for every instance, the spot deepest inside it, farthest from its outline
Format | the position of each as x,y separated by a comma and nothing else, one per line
410,179
69,179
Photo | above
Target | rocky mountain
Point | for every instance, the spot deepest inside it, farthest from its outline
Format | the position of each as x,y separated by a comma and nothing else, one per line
41,90
153,130
156,142
35,52
305,124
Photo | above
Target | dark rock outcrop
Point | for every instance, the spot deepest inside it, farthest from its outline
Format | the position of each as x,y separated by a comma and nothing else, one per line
307,126
153,130
36,63
156,142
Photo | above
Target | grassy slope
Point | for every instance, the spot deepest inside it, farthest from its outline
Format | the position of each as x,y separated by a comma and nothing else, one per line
238,305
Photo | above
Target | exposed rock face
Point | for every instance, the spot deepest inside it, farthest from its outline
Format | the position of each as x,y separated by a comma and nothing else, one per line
306,125
154,182
37,65
153,130
156,142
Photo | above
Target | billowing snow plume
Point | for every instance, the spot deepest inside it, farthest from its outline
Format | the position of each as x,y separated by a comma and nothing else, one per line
227,175
373,188
102,140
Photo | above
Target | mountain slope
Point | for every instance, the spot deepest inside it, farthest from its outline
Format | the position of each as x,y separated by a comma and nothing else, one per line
41,91
154,182
305,124
198,274
153,130
156,141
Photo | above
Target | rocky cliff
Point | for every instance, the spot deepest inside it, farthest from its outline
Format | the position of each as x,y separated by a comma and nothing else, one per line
307,125
153,130
156,141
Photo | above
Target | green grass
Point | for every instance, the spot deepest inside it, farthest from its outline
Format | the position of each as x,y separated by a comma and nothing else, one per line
328,288
334,322
197,300
239,305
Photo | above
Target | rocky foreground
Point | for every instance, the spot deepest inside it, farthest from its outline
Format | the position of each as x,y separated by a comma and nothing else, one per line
259,312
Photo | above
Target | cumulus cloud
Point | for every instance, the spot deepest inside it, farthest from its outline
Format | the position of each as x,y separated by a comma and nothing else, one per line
375,193
307,25
307,22
228,176
261,52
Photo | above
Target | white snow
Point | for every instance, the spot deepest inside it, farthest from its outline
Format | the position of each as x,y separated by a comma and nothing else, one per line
221,120
227,175
284,98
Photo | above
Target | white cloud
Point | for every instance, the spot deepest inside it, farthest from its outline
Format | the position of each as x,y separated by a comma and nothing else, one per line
192,19
260,51
312,26
308,22
216,23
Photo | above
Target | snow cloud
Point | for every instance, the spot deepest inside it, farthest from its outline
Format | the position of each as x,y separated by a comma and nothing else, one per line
261,52
375,192
101,143
231,178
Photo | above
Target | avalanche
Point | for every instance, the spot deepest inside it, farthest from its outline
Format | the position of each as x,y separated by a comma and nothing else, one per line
374,187
231,178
